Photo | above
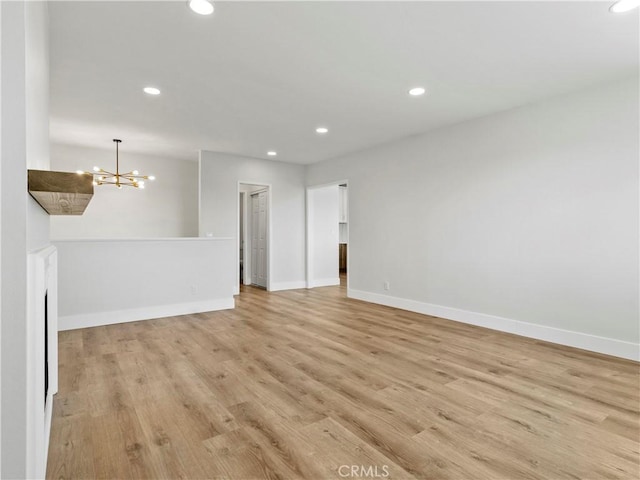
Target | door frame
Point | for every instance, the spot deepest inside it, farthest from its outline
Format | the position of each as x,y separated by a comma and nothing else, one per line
252,235
308,214
245,231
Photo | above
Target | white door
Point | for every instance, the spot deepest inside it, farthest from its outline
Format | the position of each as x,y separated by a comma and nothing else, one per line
259,239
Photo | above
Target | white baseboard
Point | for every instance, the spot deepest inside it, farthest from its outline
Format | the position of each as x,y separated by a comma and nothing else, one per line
276,286
609,346
71,322
324,282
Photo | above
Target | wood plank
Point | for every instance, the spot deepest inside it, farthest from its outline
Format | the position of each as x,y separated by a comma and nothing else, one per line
295,384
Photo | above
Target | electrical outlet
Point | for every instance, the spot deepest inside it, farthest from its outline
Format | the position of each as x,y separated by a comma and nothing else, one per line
387,286
194,289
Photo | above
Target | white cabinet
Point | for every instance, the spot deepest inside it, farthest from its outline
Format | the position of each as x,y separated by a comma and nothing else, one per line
344,208
343,232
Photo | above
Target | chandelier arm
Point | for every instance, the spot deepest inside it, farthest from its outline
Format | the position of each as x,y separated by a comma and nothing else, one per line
131,174
114,182
127,184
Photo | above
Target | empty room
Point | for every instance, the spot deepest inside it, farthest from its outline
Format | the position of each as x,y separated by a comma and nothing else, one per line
320,240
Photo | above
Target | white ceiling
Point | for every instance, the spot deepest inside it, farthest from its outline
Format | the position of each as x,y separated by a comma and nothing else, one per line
260,76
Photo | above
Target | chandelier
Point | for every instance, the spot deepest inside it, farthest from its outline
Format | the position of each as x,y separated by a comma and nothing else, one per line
129,179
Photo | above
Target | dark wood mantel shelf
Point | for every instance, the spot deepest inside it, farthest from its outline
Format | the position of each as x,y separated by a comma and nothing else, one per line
61,193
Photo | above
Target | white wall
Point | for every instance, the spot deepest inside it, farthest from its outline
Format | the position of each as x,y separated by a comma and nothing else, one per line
251,188
113,281
219,177
166,207
37,118
24,144
322,237
525,216
1,224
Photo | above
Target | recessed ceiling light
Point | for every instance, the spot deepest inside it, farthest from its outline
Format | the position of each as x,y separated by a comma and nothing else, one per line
322,130
272,153
622,6
201,7
151,90
417,91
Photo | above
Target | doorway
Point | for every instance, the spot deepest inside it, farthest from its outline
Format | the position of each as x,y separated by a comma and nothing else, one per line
253,235
343,232
327,235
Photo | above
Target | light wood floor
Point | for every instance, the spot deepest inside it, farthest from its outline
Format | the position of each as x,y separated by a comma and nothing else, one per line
297,384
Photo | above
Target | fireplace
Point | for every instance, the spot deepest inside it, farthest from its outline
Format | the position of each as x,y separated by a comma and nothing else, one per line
46,347
42,355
